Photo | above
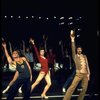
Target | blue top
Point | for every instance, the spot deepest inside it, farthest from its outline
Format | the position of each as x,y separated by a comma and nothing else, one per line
23,70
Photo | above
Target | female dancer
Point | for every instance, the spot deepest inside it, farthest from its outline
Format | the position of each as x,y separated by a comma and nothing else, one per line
23,74
44,73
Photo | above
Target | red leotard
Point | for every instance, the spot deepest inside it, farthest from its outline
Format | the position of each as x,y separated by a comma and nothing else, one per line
43,61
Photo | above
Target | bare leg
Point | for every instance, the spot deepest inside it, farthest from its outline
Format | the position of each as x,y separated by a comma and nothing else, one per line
10,84
5,90
39,78
48,80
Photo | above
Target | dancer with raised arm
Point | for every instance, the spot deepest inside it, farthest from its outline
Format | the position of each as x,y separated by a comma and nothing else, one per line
44,72
82,70
23,74
12,68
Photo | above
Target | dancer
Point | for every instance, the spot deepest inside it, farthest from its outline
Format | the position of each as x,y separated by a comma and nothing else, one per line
82,71
44,73
50,56
23,74
14,78
51,61
27,51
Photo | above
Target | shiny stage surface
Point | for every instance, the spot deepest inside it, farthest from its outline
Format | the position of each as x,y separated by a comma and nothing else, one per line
53,97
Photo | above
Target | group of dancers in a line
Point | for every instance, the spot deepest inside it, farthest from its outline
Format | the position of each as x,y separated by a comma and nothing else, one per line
23,74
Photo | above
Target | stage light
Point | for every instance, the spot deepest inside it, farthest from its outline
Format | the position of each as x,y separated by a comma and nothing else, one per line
32,16
47,18
19,17
5,16
61,17
62,23
78,35
70,23
11,16
54,17
79,29
26,17
39,17
70,18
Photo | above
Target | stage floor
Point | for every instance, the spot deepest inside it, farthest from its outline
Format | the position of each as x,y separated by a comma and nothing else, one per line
53,97
55,91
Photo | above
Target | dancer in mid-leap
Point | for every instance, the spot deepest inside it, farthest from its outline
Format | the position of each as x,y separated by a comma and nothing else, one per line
82,71
44,73
23,74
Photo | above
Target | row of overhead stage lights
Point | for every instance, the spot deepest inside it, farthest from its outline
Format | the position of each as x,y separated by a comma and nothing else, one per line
46,17
33,17
70,19
61,19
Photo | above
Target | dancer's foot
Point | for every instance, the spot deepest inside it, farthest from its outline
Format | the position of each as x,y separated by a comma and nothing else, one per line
44,96
63,90
4,91
20,90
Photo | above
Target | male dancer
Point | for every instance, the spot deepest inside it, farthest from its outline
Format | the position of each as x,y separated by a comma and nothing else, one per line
82,71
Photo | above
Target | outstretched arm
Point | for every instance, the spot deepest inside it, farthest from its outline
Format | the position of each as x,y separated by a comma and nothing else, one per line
6,53
72,36
35,48
10,47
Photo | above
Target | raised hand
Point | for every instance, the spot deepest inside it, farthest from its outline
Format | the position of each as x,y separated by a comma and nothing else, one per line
72,34
4,44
